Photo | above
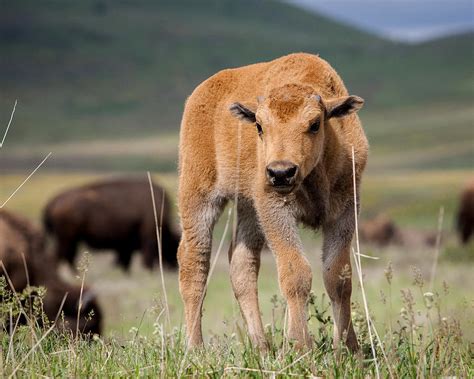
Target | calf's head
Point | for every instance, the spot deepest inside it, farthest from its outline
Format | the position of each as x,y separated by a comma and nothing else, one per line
290,123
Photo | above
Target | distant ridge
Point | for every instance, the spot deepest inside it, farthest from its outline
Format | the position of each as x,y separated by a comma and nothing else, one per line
103,69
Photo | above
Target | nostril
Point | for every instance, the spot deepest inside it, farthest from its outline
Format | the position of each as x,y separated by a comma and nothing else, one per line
291,172
270,173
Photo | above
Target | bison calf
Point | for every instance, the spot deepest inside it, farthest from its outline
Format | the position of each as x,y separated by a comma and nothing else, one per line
114,214
18,239
277,137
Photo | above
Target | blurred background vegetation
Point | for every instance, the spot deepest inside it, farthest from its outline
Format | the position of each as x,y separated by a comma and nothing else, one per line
108,79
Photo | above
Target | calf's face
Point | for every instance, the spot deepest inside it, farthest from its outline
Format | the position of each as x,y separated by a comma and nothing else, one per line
291,124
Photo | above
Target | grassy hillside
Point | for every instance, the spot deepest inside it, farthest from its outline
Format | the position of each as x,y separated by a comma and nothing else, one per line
82,69
97,68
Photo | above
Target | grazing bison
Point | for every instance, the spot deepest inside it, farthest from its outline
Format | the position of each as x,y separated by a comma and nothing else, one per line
277,137
18,238
411,238
114,214
465,217
382,231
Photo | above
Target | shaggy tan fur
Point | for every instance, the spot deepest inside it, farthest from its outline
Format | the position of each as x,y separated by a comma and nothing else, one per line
276,137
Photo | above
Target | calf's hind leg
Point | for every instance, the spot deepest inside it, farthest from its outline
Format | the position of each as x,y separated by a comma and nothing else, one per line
197,218
337,275
244,266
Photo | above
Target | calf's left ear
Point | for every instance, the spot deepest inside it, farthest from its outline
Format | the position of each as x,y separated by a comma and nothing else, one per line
343,106
242,112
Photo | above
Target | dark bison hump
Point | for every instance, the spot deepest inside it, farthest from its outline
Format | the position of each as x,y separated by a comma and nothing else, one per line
105,213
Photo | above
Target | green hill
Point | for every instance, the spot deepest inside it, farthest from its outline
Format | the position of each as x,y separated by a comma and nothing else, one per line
98,69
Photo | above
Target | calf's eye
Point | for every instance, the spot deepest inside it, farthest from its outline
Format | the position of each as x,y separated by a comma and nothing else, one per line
259,129
314,127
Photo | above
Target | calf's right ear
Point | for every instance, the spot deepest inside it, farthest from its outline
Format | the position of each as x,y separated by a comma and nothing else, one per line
242,112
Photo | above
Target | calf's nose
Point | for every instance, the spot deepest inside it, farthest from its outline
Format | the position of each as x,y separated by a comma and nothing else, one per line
281,173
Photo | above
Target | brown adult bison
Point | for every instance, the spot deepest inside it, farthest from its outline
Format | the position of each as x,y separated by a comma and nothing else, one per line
382,231
113,214
19,237
465,216
277,136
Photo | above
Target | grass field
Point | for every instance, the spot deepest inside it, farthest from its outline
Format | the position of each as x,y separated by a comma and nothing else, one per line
417,335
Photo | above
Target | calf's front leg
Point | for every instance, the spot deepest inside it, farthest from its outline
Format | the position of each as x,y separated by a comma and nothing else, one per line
294,270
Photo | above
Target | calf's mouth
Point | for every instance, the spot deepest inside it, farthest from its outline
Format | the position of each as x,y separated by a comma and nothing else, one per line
283,189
